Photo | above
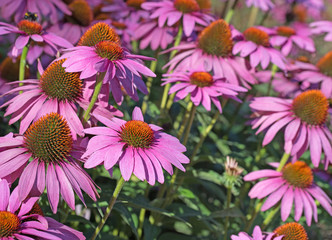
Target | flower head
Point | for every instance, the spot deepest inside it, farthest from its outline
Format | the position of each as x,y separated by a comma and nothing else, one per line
25,220
304,120
294,185
256,235
264,5
100,51
291,231
255,43
202,87
32,31
138,147
213,50
49,143
173,11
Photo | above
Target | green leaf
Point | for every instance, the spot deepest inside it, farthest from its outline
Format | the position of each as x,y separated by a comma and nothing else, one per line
127,217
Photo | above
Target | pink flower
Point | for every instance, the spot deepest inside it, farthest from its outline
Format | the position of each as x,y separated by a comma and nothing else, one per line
202,87
286,36
264,5
171,12
321,73
129,9
105,55
213,50
149,33
53,153
32,31
256,235
321,27
294,185
49,9
304,120
55,91
138,147
255,43
25,220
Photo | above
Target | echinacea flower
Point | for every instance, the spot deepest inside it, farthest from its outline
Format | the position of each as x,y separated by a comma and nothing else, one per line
138,147
48,9
304,120
255,44
321,73
291,231
264,5
213,50
202,87
293,185
55,91
49,144
286,37
256,235
170,12
96,55
25,220
126,9
32,31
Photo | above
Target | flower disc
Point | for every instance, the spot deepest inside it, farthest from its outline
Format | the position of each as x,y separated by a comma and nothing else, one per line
81,12
109,50
137,134
29,27
59,84
325,64
135,3
311,107
285,31
49,139
291,231
257,36
186,6
9,224
97,33
298,174
216,39
201,79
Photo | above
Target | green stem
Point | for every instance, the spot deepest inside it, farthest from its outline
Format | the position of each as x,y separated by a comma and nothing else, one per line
273,73
141,222
149,81
254,215
168,86
109,207
253,15
191,120
230,12
228,204
23,63
185,120
283,161
99,83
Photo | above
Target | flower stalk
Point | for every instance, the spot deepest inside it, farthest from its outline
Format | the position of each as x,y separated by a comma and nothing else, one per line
22,64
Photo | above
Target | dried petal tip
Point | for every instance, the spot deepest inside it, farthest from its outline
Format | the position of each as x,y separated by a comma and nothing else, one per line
97,33
232,168
9,224
216,39
291,231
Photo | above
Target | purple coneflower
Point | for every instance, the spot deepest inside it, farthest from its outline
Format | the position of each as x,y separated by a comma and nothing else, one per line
256,235
255,43
32,30
213,50
188,11
131,9
49,9
319,74
291,231
99,51
202,87
25,219
49,144
264,5
55,91
286,36
293,185
138,147
304,118
323,27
